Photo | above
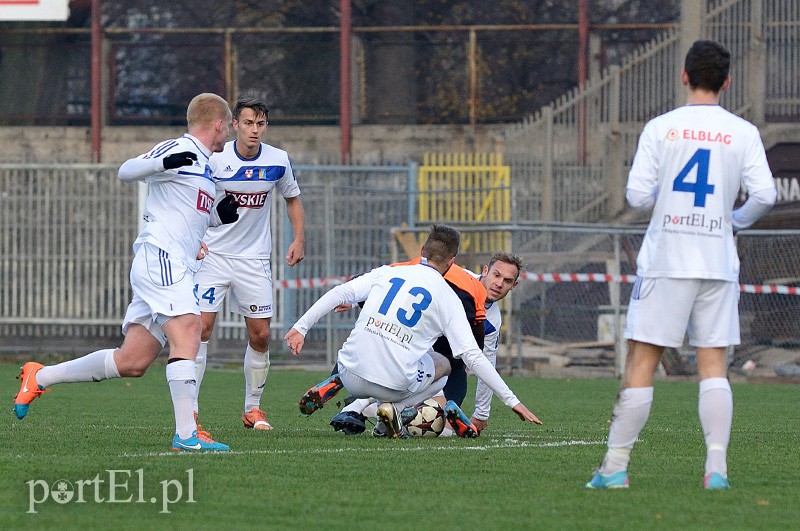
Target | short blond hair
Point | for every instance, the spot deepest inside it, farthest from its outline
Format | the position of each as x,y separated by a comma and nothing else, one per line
206,108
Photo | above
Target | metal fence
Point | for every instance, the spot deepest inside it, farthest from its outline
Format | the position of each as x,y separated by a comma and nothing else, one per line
589,136
403,74
65,252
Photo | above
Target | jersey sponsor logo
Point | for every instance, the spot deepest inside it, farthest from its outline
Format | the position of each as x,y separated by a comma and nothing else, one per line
711,224
262,308
228,168
245,200
390,331
204,201
260,174
702,136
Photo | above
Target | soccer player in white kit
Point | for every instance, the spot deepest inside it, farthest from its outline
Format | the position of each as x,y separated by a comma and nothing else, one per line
238,261
178,210
499,277
689,167
387,355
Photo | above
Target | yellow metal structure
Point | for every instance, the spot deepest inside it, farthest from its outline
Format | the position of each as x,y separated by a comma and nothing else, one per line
467,188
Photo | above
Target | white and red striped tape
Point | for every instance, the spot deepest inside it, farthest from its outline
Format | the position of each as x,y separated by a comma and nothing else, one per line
304,283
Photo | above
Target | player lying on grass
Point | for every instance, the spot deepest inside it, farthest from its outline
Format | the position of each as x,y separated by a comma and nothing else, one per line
498,278
387,355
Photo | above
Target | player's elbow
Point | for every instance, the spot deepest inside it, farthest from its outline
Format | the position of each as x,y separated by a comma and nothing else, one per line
767,197
640,200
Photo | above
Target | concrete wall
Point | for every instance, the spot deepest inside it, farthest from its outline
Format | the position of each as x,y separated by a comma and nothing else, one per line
305,144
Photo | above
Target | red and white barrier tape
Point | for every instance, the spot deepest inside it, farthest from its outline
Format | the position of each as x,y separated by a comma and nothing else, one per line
576,277
303,283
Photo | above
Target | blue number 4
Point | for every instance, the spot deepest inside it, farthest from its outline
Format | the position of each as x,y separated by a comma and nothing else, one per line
418,307
208,295
700,188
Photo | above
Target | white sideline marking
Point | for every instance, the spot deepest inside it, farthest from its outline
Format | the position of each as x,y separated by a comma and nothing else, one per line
505,443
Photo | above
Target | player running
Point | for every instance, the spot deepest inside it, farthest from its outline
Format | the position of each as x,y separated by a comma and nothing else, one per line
388,354
238,261
178,210
689,167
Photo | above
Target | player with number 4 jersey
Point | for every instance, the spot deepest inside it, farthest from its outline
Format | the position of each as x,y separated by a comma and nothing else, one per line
238,261
692,162
689,167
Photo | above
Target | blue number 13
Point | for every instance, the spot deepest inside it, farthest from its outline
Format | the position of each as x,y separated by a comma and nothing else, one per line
700,188
402,314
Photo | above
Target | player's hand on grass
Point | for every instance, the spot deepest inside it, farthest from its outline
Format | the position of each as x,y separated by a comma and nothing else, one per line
176,160
294,340
480,425
524,414
227,209
203,251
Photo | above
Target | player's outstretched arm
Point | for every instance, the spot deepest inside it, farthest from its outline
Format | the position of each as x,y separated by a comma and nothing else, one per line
139,168
525,414
294,340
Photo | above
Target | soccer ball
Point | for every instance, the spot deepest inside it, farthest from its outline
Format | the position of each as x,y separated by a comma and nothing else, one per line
429,420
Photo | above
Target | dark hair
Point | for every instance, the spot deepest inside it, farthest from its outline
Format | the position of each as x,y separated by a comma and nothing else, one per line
258,106
508,258
707,65
442,244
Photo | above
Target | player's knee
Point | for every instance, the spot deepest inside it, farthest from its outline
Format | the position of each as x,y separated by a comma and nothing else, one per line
259,340
441,365
132,370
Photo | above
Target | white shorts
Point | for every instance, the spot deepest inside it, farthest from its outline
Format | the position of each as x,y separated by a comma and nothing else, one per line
362,388
248,279
662,310
162,286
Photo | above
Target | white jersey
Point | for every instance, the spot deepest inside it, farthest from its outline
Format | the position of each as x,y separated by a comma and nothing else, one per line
694,159
179,204
250,181
491,343
407,307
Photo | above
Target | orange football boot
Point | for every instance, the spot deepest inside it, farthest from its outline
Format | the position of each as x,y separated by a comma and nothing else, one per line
29,389
256,419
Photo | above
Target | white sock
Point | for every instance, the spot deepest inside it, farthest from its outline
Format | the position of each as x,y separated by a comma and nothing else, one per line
200,366
256,368
360,404
371,411
715,407
630,415
93,367
181,376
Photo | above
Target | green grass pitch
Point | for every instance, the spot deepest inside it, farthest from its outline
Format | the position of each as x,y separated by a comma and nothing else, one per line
302,475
